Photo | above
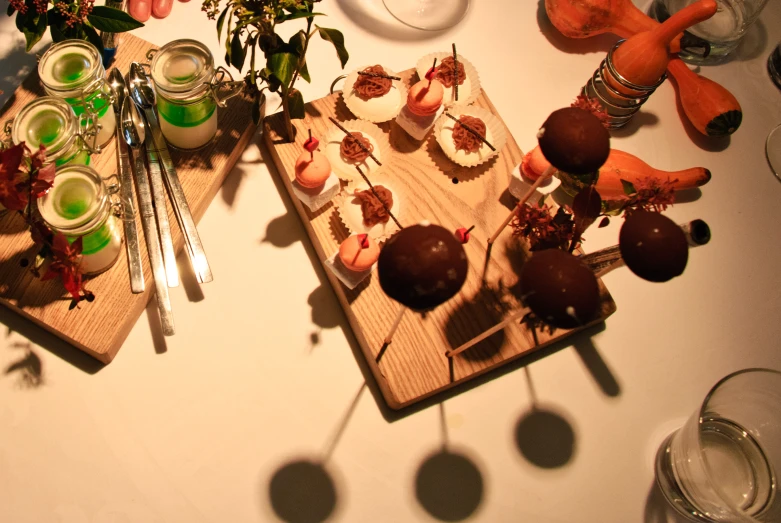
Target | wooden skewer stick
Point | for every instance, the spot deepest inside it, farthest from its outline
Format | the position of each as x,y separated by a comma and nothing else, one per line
544,176
378,75
496,328
396,323
348,133
455,73
471,131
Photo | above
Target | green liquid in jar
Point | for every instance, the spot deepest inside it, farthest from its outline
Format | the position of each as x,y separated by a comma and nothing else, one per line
73,198
45,128
70,68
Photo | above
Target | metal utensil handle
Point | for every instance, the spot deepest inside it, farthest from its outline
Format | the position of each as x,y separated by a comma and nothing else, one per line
181,209
129,216
161,211
153,243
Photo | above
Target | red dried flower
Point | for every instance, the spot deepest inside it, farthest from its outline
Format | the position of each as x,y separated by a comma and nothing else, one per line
542,229
593,106
650,194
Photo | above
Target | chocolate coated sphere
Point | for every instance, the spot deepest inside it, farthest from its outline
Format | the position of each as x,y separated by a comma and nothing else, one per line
653,246
574,141
422,266
559,289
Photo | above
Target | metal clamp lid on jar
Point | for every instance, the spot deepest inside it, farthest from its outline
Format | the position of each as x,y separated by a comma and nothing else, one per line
85,128
218,82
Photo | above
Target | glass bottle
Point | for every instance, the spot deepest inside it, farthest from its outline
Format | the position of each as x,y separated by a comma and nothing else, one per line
79,204
188,90
73,70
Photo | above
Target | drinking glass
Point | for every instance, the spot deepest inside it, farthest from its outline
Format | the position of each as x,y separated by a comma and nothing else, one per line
431,15
722,31
721,465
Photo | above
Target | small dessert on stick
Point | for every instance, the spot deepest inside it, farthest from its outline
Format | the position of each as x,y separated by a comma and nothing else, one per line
572,140
315,184
424,106
354,260
653,246
421,267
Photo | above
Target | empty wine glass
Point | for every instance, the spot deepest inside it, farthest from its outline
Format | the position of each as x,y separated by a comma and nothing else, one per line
773,143
430,15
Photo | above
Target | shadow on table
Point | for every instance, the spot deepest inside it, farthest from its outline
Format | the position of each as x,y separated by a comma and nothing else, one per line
449,484
303,490
543,435
28,369
658,510
48,341
374,17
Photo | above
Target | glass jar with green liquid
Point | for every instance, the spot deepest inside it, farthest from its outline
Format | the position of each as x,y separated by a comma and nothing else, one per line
188,90
79,204
51,122
73,70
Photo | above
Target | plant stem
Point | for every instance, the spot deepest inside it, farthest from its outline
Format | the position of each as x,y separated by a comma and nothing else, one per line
286,90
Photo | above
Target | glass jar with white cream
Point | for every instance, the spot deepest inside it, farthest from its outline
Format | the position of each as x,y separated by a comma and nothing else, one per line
189,89
80,205
51,122
73,70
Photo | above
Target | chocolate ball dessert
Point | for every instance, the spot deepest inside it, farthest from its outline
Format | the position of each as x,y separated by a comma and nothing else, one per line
422,266
653,246
559,289
574,141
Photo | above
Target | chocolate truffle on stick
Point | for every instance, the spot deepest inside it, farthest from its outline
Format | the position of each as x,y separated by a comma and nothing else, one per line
653,246
421,267
572,140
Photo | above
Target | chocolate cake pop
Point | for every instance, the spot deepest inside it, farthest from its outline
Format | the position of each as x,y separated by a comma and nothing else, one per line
422,266
559,289
653,246
574,141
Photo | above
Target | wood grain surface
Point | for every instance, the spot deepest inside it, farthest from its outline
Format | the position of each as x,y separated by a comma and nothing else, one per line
433,188
99,328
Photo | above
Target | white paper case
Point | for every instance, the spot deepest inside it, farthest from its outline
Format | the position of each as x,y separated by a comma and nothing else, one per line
376,110
495,133
464,98
345,169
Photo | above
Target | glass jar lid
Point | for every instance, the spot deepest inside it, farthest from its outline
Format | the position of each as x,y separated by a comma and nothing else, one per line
182,69
69,65
76,199
47,121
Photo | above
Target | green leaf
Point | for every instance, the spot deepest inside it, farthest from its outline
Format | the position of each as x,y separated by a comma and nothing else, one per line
629,189
220,22
93,37
112,20
253,75
57,34
10,10
238,52
296,101
283,65
296,43
604,223
33,27
296,16
336,38
304,72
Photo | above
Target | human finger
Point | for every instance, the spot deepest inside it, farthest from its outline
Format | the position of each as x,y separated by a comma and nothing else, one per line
140,9
162,8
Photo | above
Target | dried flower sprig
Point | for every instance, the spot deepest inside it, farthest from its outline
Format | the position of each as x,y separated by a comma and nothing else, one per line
541,228
593,106
648,194
25,177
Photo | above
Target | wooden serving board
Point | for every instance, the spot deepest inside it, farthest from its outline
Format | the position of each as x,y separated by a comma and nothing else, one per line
433,188
99,328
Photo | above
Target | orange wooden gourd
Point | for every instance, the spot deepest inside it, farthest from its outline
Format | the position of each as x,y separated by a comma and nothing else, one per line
621,165
710,108
585,18
642,59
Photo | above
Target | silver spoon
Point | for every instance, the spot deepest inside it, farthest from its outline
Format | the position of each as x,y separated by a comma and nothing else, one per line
118,92
134,132
155,172
143,94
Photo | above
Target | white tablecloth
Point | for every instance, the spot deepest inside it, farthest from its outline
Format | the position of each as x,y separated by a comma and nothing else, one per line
260,395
